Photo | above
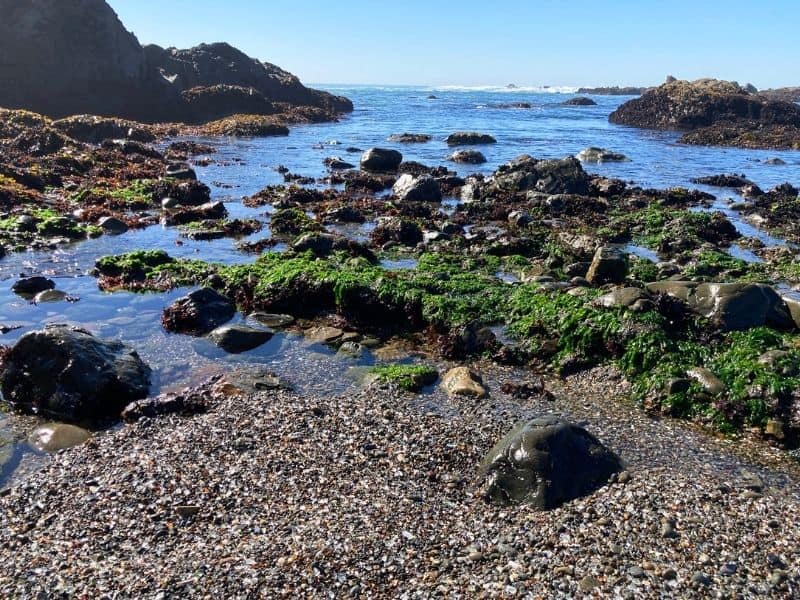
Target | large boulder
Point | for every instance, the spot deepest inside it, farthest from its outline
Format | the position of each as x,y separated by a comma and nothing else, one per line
736,306
545,462
564,176
423,188
593,154
198,312
67,373
579,101
381,160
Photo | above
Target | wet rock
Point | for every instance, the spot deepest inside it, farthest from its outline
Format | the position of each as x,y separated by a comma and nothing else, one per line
336,163
609,265
397,229
180,171
775,428
792,301
518,218
112,225
323,334
381,160
198,313
344,214
210,211
710,383
239,338
469,157
593,154
410,138
57,436
460,381
272,320
737,306
469,138
545,462
626,296
774,161
524,173
30,286
726,180
682,290
67,373
187,402
415,189
49,296
579,101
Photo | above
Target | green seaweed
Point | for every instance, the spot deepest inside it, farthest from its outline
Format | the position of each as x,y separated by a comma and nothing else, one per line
411,378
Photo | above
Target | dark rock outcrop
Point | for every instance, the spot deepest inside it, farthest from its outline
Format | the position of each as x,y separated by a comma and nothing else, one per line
469,138
565,176
579,101
716,112
239,338
544,463
62,58
67,373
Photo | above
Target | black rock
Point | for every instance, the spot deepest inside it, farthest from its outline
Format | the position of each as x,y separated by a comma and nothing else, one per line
239,338
381,160
67,373
546,462
198,313
30,286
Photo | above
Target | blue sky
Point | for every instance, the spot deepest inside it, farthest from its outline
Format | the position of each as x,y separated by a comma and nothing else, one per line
480,42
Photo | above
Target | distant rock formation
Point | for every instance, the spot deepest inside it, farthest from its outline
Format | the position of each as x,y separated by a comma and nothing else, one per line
786,94
715,113
61,58
613,91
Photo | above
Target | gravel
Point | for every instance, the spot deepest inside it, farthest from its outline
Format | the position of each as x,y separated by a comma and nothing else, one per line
372,494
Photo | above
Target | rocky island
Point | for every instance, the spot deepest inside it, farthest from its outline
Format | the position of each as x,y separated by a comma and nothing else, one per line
714,112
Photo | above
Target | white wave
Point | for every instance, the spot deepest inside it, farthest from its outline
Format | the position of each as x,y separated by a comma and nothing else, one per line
535,89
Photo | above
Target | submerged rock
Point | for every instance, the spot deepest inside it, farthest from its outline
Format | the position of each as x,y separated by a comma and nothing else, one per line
239,338
381,160
67,373
410,138
397,229
545,462
422,188
198,313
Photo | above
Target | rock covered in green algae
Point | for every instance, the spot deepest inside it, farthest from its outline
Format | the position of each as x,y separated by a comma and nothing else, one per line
545,462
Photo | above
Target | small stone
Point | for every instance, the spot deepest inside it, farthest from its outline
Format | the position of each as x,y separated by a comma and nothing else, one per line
636,571
729,568
701,578
588,583
322,335
669,574
778,577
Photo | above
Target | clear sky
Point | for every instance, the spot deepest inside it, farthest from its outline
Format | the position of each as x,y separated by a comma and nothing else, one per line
481,42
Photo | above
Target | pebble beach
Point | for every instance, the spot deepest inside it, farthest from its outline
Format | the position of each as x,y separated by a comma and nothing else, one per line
373,494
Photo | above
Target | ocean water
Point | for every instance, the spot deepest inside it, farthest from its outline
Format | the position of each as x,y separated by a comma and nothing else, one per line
243,166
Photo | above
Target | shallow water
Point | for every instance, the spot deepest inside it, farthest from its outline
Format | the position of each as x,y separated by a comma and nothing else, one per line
242,167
